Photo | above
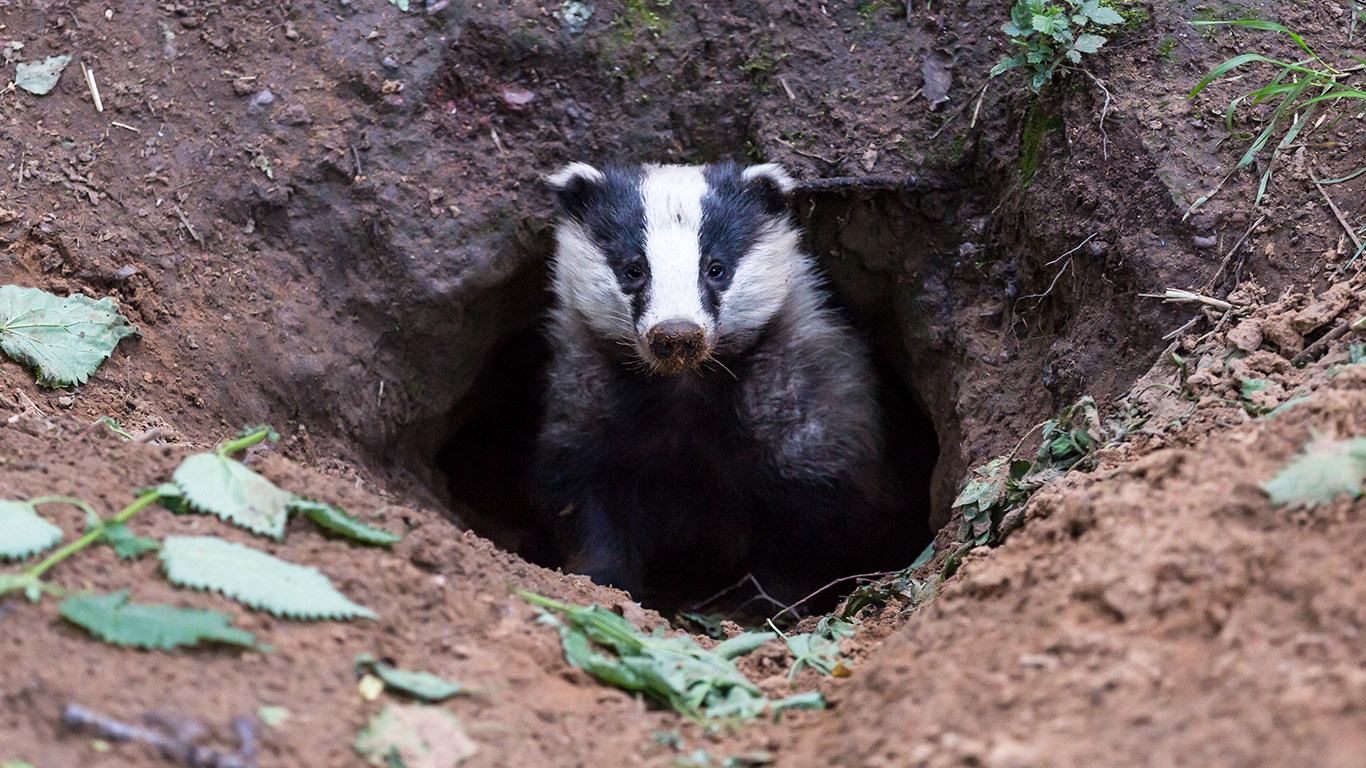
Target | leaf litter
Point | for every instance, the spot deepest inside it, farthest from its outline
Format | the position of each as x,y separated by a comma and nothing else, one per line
420,685
674,671
113,619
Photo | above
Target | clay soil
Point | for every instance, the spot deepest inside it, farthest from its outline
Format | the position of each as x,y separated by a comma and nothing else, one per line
327,215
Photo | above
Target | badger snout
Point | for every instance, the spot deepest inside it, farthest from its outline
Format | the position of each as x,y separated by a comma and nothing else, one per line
677,344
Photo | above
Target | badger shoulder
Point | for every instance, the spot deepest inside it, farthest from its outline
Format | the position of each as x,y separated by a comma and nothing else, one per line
810,396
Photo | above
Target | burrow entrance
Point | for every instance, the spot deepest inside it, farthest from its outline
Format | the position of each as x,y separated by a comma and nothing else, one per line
883,251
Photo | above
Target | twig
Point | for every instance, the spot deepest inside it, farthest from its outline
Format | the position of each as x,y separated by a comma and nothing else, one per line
954,114
497,142
747,578
873,575
1178,296
1229,255
1316,350
178,747
1040,296
356,155
94,89
973,123
782,80
1334,207
197,237
125,127
185,184
1104,139
1182,329
1074,250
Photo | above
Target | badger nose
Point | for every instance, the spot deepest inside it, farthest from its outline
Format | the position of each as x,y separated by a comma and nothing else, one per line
681,341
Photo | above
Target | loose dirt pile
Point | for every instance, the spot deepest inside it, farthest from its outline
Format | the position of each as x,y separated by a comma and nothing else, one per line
329,216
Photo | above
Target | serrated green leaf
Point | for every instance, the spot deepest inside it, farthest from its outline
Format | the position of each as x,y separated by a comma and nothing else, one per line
255,578
1043,23
1326,469
336,520
420,685
1103,15
1006,63
1089,43
113,619
225,487
63,339
125,543
23,532
40,77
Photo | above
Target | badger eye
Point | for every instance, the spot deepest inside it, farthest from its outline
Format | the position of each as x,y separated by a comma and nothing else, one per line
716,271
634,272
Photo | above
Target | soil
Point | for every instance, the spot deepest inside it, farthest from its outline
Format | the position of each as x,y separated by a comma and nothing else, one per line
328,215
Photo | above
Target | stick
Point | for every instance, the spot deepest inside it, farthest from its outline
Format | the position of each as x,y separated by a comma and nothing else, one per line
125,127
1229,255
782,79
1182,329
1040,296
1315,350
1104,140
94,89
197,237
873,575
1332,205
1178,296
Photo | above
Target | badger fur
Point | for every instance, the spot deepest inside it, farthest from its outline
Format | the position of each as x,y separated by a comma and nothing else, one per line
707,413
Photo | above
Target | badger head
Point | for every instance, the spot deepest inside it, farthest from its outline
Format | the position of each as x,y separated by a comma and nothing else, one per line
678,263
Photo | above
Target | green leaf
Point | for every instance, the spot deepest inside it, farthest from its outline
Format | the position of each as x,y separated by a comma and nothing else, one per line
225,487
1089,43
742,644
170,497
23,532
255,578
1326,469
1044,23
113,619
402,5
40,77
1006,63
674,671
1249,386
336,520
1103,15
812,650
420,685
64,339
14,582
125,543
808,700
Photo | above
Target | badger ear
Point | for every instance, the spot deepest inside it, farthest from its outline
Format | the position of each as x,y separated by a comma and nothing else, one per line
771,183
575,185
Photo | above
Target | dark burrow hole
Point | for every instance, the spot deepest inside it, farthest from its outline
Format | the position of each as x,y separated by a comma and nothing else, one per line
490,433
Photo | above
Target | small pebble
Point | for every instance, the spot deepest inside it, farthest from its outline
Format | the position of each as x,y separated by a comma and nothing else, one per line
1203,241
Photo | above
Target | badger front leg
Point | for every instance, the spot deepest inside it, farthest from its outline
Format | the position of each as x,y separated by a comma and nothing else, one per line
597,547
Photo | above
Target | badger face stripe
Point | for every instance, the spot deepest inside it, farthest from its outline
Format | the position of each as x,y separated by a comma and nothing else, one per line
732,217
672,197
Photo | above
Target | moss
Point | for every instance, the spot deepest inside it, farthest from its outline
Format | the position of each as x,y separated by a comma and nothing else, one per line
1164,48
1037,125
1135,15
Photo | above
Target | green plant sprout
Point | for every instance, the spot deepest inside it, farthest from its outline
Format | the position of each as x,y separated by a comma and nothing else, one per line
207,482
1297,88
1050,35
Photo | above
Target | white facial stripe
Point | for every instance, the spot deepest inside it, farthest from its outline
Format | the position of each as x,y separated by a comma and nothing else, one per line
762,281
673,217
584,281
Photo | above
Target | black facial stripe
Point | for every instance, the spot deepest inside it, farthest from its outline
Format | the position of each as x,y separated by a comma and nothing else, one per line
614,214
732,215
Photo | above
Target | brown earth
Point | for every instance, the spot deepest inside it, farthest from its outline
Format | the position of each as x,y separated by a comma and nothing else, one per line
358,259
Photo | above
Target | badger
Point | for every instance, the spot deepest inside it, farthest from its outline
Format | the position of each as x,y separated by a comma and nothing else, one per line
708,414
